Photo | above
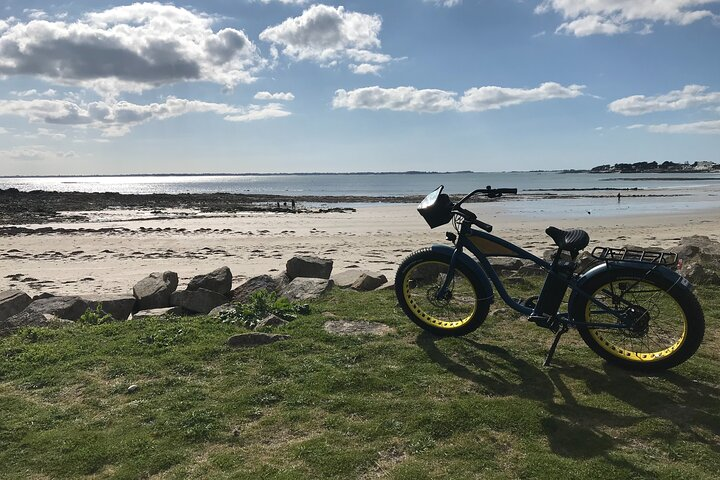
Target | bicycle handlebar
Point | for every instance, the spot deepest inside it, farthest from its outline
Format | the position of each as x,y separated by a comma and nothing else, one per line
491,193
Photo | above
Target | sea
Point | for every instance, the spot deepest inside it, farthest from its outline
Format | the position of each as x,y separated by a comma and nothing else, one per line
542,192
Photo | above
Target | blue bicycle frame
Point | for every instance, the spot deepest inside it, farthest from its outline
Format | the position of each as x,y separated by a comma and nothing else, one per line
483,245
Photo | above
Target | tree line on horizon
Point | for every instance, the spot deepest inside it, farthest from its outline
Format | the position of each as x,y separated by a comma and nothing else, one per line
655,167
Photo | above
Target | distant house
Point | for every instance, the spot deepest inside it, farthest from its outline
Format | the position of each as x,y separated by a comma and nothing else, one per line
704,166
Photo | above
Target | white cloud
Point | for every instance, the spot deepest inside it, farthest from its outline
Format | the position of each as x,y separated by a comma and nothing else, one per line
327,35
610,17
117,118
445,3
43,132
492,98
710,127
129,48
35,13
410,99
34,93
259,112
365,68
35,153
279,96
690,96
593,25
287,2
404,99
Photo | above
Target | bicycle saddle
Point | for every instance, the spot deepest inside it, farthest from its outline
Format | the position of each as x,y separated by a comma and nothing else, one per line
571,240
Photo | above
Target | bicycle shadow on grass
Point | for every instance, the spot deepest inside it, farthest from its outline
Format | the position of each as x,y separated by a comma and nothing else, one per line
573,427
689,407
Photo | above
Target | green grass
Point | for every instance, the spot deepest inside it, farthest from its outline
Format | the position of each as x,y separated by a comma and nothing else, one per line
406,405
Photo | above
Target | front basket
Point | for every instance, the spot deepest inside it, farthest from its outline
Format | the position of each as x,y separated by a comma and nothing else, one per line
439,212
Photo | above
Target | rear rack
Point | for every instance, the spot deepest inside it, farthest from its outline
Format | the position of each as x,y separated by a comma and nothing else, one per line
615,254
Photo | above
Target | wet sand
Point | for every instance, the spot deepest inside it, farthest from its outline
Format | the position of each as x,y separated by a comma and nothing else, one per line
116,250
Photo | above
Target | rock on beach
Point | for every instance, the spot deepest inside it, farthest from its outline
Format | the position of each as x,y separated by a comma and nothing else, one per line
119,306
261,282
12,302
198,301
219,281
306,288
308,267
154,290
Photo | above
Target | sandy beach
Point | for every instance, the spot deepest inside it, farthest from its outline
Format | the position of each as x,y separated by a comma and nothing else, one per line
118,248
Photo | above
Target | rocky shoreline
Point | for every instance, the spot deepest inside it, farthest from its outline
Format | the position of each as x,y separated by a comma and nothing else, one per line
304,278
40,206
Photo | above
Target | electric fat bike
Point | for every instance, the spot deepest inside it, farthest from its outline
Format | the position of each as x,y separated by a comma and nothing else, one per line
631,308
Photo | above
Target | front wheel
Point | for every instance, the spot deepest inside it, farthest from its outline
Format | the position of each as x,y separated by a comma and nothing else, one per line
666,322
417,283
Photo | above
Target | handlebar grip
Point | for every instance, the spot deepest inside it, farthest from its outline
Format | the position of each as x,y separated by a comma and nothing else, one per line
485,226
507,190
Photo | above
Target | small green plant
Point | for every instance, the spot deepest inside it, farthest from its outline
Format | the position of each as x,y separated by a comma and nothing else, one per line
95,317
261,304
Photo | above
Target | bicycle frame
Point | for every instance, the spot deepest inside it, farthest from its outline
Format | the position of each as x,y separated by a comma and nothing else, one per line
473,240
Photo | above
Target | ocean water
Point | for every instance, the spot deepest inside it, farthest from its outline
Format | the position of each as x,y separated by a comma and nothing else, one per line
367,184
543,193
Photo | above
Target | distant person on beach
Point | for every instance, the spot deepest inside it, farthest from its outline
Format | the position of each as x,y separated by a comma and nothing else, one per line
293,204
618,197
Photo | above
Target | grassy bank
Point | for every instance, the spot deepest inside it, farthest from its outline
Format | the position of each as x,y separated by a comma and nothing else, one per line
319,406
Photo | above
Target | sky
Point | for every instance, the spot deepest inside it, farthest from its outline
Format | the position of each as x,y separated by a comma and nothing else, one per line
236,86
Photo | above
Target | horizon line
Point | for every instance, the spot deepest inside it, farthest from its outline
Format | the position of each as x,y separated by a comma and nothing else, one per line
260,174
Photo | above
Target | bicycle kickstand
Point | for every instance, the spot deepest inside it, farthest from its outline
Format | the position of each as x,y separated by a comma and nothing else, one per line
551,352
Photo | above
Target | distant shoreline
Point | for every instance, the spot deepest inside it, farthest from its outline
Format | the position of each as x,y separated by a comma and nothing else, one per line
407,172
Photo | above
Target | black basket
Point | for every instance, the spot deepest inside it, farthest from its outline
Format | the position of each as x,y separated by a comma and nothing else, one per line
436,209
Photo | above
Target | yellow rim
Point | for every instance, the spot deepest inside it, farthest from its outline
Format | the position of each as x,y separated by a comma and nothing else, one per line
665,316
420,285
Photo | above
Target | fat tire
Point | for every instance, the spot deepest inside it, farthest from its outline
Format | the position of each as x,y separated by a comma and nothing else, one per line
685,299
482,307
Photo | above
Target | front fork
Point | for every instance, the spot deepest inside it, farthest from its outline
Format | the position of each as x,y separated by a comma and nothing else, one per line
444,290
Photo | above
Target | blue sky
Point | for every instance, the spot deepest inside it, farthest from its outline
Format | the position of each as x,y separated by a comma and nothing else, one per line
296,86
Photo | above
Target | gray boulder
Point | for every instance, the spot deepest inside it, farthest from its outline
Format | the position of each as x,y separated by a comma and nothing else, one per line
271,321
255,339
119,306
198,301
368,281
506,264
67,308
219,281
154,290
699,275
701,259
698,248
261,282
306,288
346,278
157,312
31,318
217,311
308,267
12,302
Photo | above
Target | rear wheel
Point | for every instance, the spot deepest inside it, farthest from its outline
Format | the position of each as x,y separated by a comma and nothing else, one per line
417,283
666,321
